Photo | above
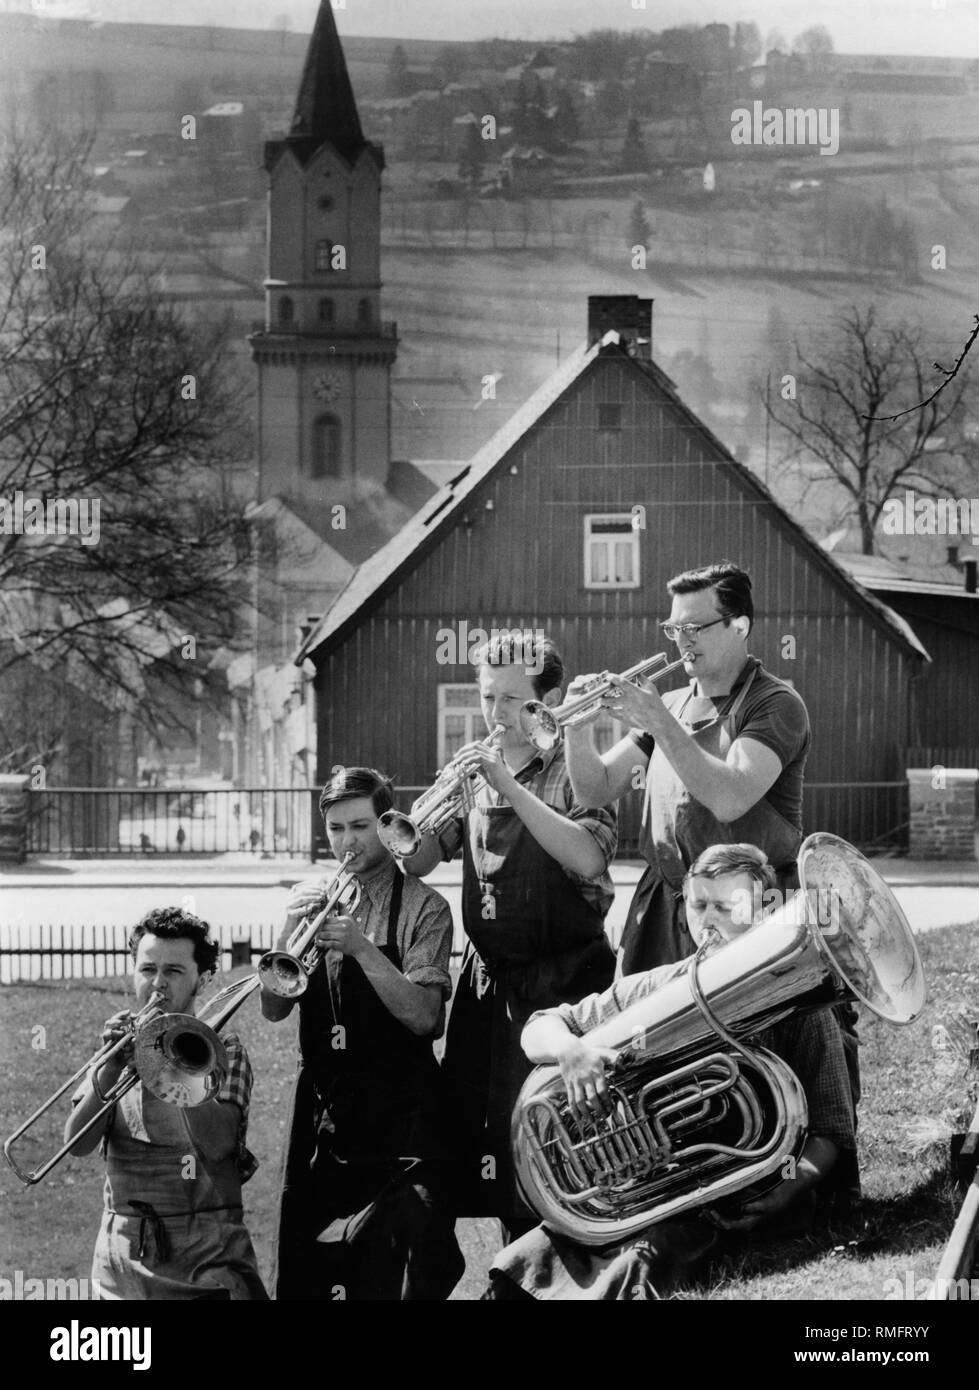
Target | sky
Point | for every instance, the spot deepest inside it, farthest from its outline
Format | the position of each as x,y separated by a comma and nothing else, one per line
926,27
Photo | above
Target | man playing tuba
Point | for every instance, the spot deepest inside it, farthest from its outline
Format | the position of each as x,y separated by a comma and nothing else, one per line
719,888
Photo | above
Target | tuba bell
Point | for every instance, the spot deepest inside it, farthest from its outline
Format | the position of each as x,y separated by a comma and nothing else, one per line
694,1113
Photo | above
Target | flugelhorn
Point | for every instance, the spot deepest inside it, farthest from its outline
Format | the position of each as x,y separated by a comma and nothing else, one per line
178,1057
543,725
694,1114
286,973
435,809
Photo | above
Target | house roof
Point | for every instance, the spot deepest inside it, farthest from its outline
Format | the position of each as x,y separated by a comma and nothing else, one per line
878,573
378,575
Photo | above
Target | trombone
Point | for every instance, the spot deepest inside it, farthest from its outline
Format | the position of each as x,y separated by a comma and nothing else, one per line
177,1057
543,726
435,809
286,973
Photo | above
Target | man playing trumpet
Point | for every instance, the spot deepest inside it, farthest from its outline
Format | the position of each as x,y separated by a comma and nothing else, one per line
172,1226
535,893
719,891
363,1213
723,758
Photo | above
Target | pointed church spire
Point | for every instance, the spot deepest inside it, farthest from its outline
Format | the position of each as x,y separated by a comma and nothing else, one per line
325,107
326,112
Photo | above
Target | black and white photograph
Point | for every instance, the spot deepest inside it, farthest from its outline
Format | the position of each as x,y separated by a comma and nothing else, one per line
489,641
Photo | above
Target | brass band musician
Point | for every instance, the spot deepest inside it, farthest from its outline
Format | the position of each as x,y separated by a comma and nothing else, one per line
545,1265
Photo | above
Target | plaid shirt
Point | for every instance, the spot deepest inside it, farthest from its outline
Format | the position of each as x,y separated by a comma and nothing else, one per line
237,1089
811,1044
546,776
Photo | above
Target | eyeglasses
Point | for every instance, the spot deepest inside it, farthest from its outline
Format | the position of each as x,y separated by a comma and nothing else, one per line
691,630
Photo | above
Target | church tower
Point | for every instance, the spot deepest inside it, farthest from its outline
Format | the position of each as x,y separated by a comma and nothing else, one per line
324,357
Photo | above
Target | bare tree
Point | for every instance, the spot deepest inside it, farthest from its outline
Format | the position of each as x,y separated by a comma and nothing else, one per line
122,546
836,420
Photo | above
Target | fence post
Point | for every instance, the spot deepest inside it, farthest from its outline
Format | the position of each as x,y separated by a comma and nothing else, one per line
13,817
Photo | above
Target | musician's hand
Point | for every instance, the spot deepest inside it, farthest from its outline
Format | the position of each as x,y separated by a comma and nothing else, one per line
638,707
304,898
341,934
488,761
117,1027
583,1071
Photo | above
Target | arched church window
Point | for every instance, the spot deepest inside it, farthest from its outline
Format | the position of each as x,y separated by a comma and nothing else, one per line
287,310
326,311
326,447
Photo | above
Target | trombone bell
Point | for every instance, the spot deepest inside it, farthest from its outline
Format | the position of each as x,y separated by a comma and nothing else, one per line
180,1060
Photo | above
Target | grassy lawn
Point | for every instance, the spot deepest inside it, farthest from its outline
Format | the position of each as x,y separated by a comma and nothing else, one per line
917,1091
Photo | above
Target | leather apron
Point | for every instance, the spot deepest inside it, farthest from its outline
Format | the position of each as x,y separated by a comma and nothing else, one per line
677,828
534,942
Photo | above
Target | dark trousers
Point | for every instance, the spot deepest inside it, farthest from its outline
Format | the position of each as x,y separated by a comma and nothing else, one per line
377,1232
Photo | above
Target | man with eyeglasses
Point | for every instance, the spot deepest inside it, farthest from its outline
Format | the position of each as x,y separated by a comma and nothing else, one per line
723,758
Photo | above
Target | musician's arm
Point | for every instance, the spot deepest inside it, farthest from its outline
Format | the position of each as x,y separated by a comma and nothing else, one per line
426,858
599,779
85,1101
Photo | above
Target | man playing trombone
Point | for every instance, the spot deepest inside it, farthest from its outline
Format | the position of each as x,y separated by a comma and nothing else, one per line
362,1213
535,893
172,1226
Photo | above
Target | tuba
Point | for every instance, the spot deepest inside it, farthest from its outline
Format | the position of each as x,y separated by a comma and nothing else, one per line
695,1113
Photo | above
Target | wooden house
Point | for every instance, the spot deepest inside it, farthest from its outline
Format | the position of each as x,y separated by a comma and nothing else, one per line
571,519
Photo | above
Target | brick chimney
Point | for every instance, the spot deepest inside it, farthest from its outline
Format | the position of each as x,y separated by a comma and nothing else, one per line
630,317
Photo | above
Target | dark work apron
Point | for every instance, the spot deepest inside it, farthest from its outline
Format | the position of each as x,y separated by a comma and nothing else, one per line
363,1173
534,942
677,828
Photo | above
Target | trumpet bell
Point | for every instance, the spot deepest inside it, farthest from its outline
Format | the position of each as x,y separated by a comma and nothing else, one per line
540,726
282,974
398,834
180,1060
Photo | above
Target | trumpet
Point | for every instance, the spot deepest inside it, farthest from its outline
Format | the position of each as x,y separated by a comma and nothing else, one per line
179,1058
543,726
286,973
432,812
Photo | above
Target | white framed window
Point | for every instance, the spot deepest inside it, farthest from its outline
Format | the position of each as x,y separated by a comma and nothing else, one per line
460,719
611,551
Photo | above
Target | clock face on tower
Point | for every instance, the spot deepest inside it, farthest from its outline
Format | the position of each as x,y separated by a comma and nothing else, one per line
327,385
